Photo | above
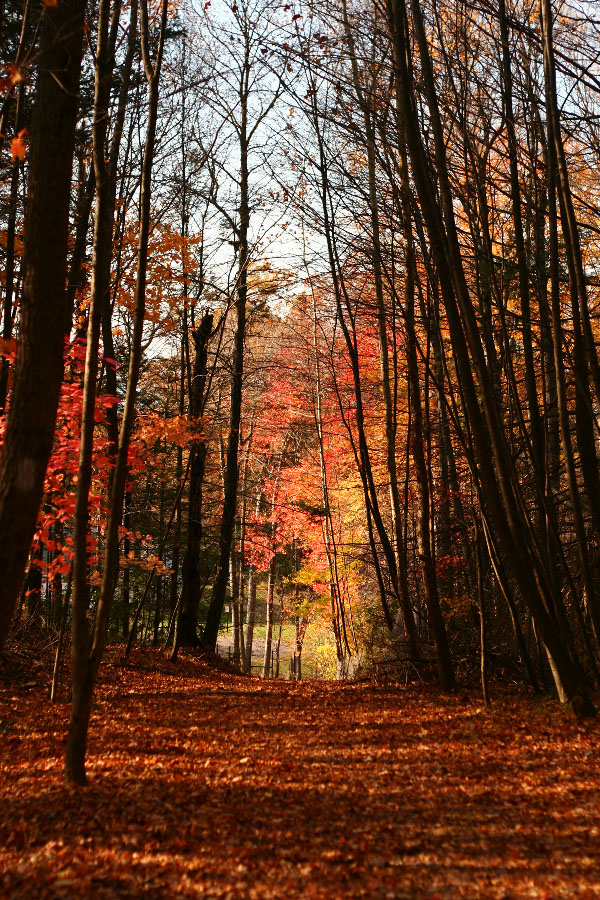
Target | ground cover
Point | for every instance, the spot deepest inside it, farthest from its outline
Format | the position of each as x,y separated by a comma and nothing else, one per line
205,784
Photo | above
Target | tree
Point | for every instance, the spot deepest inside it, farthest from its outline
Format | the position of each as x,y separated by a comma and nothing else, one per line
85,660
247,118
39,367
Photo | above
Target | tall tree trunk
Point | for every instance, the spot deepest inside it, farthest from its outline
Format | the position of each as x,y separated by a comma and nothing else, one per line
87,661
11,231
269,623
366,104
424,510
110,366
101,255
515,191
125,585
60,644
424,549
300,625
483,660
338,617
347,321
39,369
188,619
502,494
250,619
242,542
176,594
335,591
278,644
234,585
583,410
33,585
213,616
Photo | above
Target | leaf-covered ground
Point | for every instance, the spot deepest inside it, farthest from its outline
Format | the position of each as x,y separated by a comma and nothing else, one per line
205,784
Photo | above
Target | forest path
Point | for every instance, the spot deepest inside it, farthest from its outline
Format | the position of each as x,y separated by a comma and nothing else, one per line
206,785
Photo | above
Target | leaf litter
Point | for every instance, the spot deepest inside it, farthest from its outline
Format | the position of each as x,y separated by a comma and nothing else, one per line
207,784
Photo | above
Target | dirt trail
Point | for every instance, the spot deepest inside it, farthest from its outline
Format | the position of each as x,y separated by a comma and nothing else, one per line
207,785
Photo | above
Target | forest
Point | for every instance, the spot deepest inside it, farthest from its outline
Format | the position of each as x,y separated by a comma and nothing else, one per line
300,432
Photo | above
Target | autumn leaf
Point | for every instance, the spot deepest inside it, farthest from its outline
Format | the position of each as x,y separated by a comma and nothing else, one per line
8,346
15,75
18,145
320,790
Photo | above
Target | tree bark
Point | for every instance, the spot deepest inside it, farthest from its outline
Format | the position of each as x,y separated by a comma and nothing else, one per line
102,250
11,227
250,620
483,660
502,496
39,369
405,607
269,623
188,621
213,616
86,662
